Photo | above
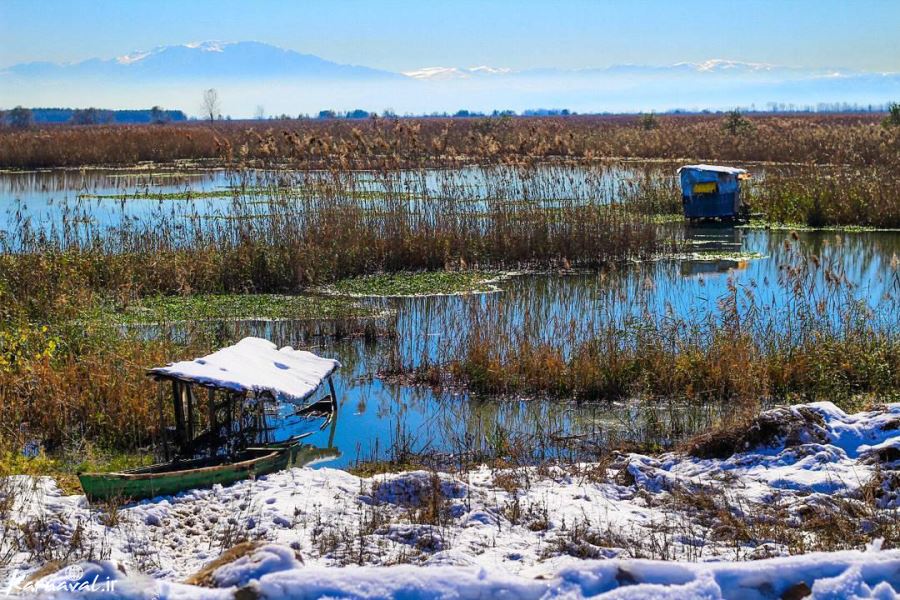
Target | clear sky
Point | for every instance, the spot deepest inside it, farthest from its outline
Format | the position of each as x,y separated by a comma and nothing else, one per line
401,35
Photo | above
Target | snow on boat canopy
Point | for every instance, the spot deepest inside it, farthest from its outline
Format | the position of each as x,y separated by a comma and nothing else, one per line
256,367
713,168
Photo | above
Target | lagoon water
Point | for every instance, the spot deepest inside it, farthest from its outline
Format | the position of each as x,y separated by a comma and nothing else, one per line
377,414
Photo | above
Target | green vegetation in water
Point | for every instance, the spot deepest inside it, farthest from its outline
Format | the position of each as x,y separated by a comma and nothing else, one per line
776,226
149,195
663,218
260,192
155,309
720,255
423,283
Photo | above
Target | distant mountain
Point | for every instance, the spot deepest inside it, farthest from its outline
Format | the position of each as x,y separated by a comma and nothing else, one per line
235,61
712,67
254,78
449,73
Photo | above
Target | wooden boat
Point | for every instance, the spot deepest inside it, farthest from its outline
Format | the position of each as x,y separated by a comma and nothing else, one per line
173,477
229,432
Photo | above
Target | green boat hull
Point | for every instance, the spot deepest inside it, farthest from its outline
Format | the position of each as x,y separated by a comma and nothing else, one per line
171,478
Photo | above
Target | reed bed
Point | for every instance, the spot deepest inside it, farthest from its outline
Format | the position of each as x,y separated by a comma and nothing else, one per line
826,341
437,142
309,227
821,197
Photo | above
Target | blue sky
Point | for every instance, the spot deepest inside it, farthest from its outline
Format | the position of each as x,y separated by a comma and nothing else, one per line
402,35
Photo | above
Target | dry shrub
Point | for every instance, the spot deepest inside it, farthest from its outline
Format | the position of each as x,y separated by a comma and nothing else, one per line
787,426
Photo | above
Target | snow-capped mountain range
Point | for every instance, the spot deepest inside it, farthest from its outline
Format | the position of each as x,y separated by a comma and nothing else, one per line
250,74
258,60
241,60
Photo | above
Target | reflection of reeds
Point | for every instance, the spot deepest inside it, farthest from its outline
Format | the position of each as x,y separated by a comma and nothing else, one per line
824,342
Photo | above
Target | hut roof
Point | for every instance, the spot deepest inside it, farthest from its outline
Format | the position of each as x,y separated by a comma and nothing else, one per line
255,365
714,168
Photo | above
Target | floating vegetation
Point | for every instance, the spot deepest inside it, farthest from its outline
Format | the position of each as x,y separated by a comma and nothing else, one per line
720,255
760,224
205,307
187,194
662,219
422,283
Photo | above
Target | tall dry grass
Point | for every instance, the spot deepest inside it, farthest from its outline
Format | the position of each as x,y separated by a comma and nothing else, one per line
825,342
819,139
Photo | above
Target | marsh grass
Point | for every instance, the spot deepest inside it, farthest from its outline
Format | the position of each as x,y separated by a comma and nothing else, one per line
864,197
821,139
825,342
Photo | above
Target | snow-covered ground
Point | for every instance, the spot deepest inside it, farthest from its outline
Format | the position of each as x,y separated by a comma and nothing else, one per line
829,480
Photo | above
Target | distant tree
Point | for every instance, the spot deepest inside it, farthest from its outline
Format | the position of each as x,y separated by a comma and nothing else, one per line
649,121
90,116
158,116
211,106
357,114
893,118
735,123
260,113
327,114
20,117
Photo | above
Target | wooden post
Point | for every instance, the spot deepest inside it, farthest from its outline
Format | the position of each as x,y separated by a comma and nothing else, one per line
162,421
189,400
178,405
211,408
263,422
334,404
334,412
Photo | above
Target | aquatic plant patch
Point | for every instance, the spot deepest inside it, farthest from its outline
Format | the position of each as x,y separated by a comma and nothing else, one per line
424,283
156,309
154,195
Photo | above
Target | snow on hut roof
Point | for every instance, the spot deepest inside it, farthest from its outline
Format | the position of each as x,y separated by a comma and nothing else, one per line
256,365
715,168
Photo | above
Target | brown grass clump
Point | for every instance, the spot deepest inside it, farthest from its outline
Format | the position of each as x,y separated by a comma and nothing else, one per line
787,426
204,577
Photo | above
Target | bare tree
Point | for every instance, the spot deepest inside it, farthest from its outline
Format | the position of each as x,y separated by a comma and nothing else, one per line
211,108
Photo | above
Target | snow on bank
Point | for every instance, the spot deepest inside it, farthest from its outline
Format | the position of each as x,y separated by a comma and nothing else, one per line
835,575
487,531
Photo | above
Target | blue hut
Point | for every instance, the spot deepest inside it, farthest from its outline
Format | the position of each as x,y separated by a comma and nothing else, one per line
711,192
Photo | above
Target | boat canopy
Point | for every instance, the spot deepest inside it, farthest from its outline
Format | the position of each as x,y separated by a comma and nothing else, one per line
257,367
